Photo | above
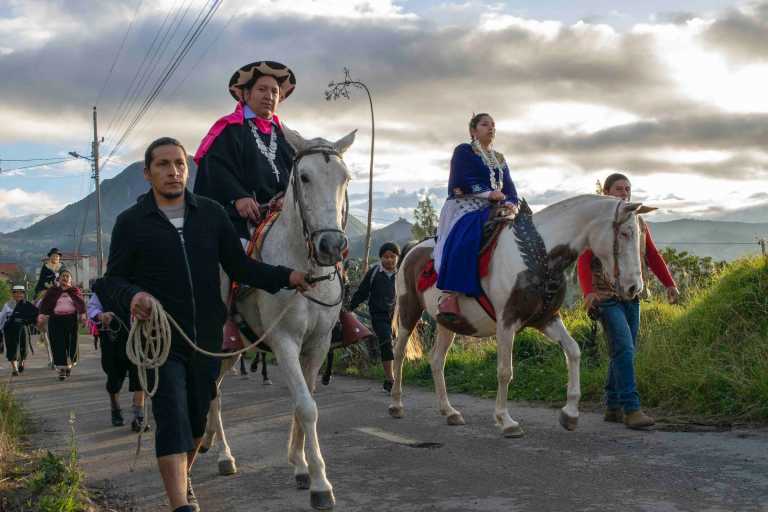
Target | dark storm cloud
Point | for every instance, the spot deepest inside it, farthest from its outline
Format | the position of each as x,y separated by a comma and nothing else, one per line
742,33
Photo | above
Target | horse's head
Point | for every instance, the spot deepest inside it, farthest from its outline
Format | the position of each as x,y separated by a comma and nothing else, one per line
615,240
319,187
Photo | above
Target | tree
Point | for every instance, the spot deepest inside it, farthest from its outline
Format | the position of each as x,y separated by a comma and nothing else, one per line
425,225
5,292
338,90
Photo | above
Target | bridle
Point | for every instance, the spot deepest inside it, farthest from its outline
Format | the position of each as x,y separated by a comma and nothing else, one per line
616,228
311,236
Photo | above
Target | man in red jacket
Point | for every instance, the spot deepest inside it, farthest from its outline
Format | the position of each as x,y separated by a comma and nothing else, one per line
621,319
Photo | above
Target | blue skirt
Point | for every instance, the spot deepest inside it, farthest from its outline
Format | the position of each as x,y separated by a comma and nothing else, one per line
459,270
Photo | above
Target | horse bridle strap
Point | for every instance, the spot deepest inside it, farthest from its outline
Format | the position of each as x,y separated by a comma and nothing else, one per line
616,228
309,236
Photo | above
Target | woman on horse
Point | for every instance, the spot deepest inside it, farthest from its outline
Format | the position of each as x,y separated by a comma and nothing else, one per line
479,179
49,273
621,319
63,306
244,161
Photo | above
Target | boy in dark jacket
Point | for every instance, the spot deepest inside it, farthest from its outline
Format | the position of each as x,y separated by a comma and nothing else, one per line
378,286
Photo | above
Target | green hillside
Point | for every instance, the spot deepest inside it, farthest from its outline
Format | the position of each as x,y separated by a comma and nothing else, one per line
707,359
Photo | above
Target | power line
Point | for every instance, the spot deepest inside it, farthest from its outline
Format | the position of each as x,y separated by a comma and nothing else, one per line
132,93
191,37
37,165
119,52
30,159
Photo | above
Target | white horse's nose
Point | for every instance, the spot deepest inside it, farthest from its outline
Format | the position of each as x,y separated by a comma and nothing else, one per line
332,245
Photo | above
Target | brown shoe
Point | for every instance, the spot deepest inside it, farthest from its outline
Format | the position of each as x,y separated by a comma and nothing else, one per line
614,415
638,420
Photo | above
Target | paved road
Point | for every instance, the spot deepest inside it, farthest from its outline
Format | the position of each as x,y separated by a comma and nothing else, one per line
599,467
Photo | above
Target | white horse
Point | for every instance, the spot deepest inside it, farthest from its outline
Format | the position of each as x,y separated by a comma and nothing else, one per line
308,235
525,285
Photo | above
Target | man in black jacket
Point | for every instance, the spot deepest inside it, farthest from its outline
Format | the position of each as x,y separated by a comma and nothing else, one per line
168,248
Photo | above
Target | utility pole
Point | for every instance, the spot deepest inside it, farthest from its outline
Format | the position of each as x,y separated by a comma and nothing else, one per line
95,160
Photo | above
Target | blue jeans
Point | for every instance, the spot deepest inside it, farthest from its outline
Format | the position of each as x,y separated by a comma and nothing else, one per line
621,320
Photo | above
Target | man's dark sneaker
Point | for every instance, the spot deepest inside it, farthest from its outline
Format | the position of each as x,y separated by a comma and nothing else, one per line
62,374
117,418
327,379
68,372
387,386
15,373
21,367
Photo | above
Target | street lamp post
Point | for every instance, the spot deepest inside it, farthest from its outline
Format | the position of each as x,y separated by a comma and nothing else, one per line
341,89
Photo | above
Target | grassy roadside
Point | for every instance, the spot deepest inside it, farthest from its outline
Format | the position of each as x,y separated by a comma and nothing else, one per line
706,360
38,481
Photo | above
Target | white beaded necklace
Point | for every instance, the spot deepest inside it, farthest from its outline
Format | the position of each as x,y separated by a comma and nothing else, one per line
269,152
490,161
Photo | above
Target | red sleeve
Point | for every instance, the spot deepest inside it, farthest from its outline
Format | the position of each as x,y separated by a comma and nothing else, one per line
656,262
584,267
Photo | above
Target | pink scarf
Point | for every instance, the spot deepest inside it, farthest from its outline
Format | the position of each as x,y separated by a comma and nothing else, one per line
236,117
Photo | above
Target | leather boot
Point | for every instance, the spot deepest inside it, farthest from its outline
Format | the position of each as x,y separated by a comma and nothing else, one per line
614,415
353,330
638,420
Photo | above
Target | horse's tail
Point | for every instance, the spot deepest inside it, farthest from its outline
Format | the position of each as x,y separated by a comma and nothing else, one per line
408,303
414,346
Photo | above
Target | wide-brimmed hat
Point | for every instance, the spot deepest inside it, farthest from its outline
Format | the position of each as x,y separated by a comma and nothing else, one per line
250,72
54,251
18,288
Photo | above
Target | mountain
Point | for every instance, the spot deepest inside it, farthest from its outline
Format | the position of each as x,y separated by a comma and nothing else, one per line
61,229
398,232
717,239
15,223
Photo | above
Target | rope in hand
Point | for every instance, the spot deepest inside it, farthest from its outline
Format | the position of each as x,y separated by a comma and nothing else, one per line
149,344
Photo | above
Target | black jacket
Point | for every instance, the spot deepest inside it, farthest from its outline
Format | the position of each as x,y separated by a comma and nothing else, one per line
234,168
147,254
47,278
379,289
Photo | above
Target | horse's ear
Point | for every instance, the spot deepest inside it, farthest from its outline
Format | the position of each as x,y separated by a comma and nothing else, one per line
646,209
294,139
629,209
343,144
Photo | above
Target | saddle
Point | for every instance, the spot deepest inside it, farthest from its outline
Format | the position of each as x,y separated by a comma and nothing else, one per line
529,241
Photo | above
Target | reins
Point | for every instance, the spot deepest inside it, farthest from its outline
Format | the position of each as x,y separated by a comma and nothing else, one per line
149,341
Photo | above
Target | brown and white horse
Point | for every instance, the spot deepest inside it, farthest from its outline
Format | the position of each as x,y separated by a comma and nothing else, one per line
526,290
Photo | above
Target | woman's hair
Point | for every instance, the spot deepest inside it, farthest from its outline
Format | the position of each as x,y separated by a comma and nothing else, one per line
65,271
610,180
162,141
475,120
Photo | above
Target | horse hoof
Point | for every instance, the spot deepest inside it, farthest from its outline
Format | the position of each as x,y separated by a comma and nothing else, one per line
322,500
227,467
567,422
302,482
455,419
396,411
514,431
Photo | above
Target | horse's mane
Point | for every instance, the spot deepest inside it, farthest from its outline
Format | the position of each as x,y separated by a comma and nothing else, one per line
557,209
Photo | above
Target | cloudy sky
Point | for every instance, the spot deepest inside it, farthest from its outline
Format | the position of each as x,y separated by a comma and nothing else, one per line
677,99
